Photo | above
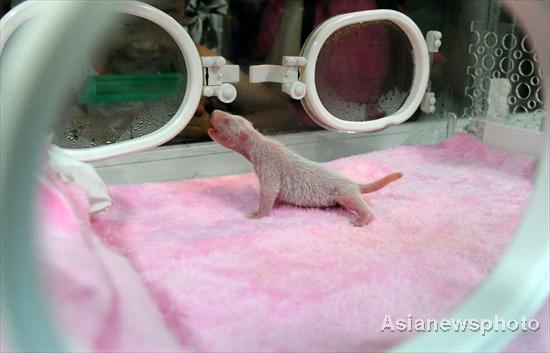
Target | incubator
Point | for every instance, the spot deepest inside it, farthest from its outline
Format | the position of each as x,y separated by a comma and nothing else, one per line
125,228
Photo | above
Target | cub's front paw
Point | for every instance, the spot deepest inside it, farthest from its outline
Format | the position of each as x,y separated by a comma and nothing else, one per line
255,215
361,221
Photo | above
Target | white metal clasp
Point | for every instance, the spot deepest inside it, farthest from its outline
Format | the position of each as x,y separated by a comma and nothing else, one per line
433,42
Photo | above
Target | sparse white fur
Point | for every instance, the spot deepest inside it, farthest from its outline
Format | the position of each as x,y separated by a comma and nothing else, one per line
285,176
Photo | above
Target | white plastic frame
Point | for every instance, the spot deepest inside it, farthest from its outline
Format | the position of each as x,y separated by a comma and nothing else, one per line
315,42
27,10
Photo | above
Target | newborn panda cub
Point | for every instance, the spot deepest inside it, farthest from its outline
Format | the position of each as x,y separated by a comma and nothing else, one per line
287,177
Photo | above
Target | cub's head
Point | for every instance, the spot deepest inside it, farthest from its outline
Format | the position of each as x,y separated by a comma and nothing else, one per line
231,131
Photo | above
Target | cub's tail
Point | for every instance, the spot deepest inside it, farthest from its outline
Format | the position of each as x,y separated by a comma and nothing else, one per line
380,183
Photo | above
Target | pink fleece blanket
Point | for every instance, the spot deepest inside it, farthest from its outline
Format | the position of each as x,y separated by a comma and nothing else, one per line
210,279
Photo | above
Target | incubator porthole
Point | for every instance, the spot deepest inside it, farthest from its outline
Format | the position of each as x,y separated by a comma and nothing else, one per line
526,67
509,41
518,54
490,39
137,80
506,65
340,75
523,90
514,78
488,62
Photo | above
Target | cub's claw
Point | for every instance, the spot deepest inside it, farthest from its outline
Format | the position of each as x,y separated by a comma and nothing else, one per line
361,221
255,215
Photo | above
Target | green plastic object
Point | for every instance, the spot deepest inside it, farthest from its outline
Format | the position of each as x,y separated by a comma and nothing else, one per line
131,88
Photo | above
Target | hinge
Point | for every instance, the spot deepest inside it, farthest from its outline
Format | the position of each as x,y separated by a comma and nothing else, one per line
287,74
217,75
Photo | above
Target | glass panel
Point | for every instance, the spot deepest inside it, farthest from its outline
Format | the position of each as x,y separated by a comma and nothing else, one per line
503,66
365,71
130,87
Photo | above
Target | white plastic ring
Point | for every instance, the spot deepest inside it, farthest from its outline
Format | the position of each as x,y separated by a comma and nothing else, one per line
475,37
312,103
490,39
523,90
27,10
480,50
509,45
488,62
506,65
524,45
522,70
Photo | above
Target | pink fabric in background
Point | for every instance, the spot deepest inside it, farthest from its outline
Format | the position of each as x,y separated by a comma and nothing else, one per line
209,279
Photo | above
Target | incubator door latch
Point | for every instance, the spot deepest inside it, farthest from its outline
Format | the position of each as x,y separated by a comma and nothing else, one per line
433,42
217,75
287,74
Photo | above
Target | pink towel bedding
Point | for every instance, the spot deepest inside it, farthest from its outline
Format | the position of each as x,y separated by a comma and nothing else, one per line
210,279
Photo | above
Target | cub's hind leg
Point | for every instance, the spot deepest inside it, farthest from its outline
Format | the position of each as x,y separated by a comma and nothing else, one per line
354,203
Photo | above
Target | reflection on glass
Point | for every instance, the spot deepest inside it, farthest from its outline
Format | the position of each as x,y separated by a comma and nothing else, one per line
130,87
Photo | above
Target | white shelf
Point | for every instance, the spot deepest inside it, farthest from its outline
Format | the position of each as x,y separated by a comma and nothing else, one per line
207,159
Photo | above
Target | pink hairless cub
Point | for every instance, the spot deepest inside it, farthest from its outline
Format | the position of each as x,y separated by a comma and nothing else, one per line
287,177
